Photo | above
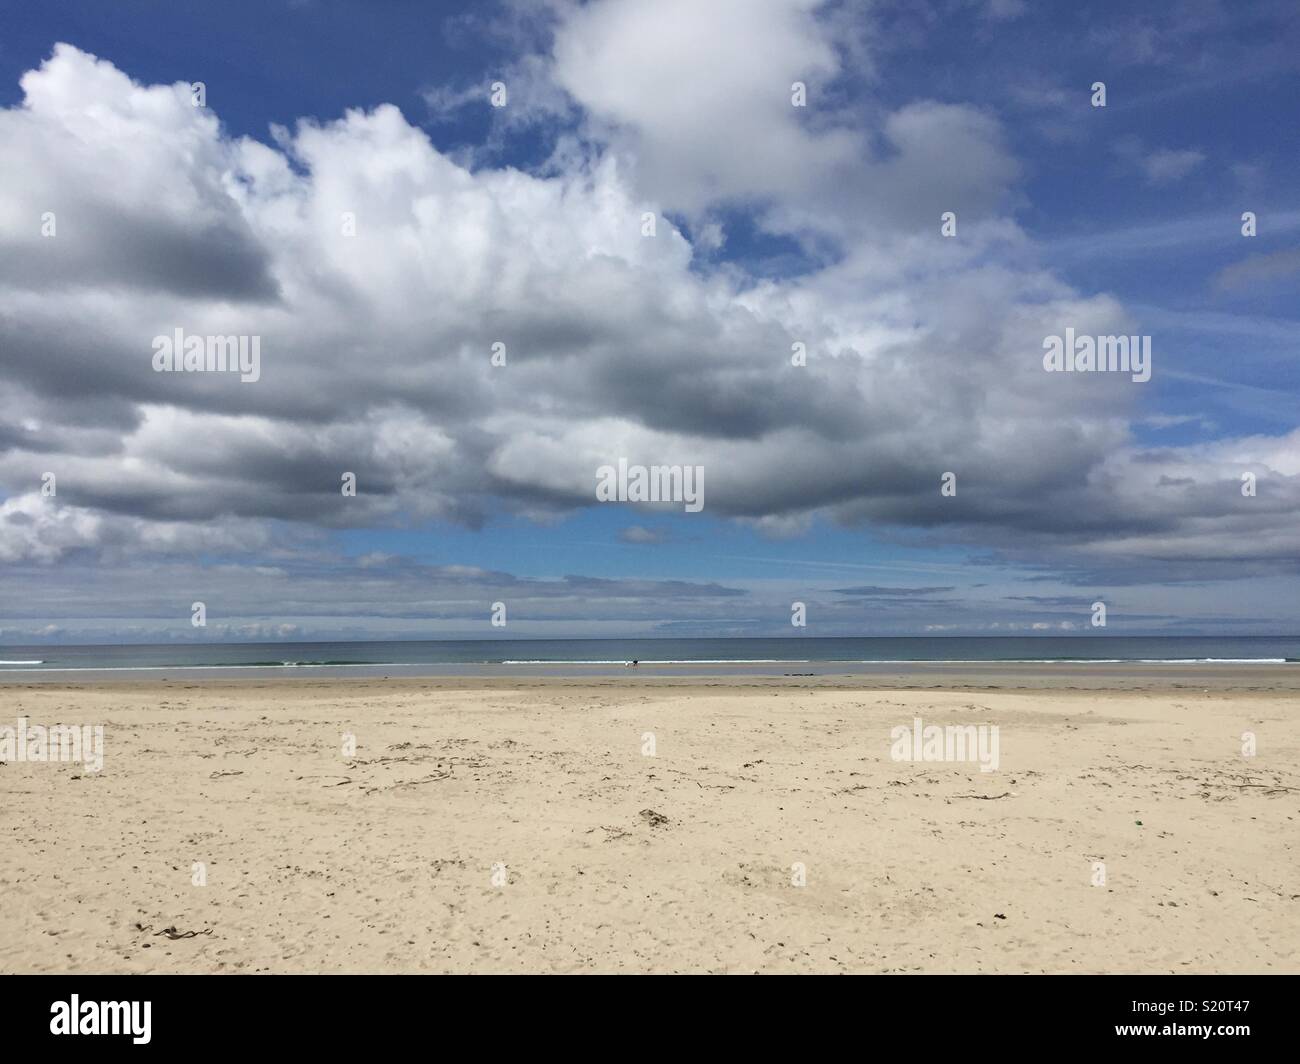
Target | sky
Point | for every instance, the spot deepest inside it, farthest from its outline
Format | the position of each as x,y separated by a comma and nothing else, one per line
813,250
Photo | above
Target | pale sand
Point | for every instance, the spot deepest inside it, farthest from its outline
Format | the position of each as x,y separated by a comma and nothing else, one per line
384,863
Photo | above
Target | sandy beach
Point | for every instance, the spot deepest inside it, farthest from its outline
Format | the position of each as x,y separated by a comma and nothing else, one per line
642,825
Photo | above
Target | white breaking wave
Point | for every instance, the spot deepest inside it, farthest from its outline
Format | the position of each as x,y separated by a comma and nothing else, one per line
673,661
908,661
1075,661
5,665
184,668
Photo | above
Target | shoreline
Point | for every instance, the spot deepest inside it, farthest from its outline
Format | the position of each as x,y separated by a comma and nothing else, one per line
973,676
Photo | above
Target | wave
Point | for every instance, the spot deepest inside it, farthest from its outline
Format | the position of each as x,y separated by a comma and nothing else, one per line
28,666
241,665
900,661
648,661
1072,661
289,664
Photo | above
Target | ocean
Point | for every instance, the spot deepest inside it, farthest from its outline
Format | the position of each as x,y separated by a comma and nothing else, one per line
546,656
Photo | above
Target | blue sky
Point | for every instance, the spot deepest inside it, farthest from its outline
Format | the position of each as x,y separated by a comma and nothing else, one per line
523,224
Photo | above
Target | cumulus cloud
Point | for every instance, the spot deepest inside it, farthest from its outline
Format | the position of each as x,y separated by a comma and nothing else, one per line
32,530
700,94
134,181
378,273
699,98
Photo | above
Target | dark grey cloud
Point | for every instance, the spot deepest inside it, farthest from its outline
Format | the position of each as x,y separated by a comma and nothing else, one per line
100,246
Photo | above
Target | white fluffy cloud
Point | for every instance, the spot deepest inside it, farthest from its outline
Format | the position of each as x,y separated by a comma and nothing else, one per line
924,353
700,94
698,98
